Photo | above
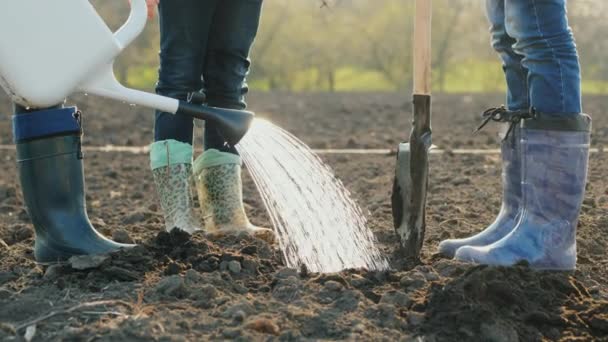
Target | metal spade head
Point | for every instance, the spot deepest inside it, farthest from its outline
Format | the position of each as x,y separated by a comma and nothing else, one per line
411,181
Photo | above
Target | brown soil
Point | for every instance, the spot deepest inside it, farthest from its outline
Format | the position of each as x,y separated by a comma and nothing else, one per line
175,287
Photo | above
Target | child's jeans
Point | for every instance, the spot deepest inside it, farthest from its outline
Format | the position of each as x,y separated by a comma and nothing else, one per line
539,56
204,45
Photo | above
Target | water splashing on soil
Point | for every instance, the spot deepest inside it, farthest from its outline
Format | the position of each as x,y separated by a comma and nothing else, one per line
314,216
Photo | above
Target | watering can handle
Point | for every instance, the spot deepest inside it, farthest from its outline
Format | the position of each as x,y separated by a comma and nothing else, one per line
135,24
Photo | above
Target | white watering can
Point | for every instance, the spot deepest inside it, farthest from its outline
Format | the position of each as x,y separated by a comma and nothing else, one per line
50,49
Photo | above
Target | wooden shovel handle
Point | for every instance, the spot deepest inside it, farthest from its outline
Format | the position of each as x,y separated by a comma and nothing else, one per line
422,47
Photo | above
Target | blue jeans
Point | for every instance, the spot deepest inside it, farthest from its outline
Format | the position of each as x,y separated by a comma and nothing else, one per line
204,44
539,56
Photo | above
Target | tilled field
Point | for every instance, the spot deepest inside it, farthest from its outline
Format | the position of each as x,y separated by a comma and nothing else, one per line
176,287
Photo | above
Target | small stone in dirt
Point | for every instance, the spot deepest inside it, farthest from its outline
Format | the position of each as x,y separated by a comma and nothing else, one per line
242,307
249,250
359,281
7,328
285,273
287,290
98,223
223,266
449,268
234,266
175,238
238,287
428,272
323,278
135,217
384,315
121,236
397,298
120,273
23,215
5,294
250,266
599,322
415,318
173,268
85,262
205,296
192,276
209,290
348,301
53,272
461,181
498,332
231,333
263,325
20,233
239,316
5,277
304,271
333,286
413,281
171,286
111,174
231,256
290,335
359,328
590,201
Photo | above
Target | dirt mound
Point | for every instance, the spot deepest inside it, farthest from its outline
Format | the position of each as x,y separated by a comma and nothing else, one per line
504,303
236,287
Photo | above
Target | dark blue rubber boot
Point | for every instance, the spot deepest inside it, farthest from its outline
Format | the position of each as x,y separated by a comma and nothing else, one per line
511,200
52,180
554,153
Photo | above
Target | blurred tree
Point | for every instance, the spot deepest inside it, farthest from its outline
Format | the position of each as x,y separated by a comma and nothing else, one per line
335,45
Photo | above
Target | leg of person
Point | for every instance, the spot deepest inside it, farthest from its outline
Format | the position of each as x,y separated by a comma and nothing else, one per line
554,144
517,99
184,26
218,170
545,39
235,26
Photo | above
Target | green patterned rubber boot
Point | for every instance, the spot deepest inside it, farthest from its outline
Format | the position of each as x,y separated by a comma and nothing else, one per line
171,164
220,192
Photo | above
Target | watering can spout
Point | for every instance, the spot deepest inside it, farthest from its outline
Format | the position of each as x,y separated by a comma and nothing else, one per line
233,124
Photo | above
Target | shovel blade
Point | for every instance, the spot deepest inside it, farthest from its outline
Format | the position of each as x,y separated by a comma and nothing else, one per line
410,184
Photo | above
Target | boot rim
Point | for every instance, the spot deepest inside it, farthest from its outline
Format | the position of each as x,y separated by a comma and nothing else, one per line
558,122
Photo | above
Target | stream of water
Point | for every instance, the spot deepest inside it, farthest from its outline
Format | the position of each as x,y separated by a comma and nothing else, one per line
317,222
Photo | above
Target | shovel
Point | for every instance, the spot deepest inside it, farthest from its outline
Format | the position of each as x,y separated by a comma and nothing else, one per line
51,49
408,198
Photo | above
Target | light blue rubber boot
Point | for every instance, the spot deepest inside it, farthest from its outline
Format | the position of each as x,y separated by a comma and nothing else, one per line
171,164
554,172
220,191
511,199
